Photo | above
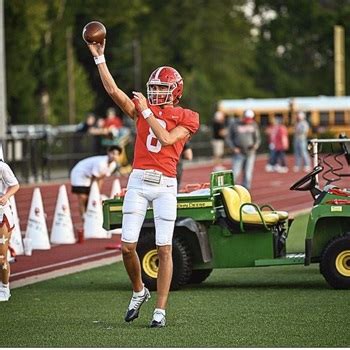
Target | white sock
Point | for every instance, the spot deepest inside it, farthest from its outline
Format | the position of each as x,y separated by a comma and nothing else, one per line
139,294
158,314
6,285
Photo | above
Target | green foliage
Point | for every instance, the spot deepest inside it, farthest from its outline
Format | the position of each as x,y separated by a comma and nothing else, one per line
210,42
296,46
21,46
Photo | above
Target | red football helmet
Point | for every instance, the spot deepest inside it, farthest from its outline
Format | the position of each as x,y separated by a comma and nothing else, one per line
165,85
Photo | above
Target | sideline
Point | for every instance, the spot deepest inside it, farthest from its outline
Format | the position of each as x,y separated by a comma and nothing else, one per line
63,271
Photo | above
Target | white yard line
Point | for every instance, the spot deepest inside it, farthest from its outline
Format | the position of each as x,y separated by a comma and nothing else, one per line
63,271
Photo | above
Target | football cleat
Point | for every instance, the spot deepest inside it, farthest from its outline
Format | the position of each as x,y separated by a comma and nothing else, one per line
4,294
135,304
158,320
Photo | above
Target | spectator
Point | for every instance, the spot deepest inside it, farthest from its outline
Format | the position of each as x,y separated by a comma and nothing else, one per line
218,141
115,132
244,139
8,187
91,169
112,120
187,154
278,145
85,126
93,127
301,154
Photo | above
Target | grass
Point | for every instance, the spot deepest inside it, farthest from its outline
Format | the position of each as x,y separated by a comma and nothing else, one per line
289,306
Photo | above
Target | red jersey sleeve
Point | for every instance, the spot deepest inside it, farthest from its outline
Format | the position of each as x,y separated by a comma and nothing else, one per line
190,120
136,103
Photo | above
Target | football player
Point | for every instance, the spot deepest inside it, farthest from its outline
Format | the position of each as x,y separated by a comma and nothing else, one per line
162,131
8,187
95,168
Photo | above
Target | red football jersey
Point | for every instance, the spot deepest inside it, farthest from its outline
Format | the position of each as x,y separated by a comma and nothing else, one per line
149,152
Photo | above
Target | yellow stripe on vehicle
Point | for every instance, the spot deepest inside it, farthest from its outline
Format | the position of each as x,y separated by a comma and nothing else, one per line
194,205
336,208
115,208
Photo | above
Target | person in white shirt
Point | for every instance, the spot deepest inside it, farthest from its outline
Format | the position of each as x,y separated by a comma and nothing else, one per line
8,187
91,169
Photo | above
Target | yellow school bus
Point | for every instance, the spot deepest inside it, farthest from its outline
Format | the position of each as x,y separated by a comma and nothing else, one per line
324,113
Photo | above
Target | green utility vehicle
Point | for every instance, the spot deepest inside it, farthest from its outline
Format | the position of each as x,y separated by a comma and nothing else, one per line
219,227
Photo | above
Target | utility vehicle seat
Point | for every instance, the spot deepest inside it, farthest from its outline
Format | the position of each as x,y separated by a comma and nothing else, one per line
245,197
235,210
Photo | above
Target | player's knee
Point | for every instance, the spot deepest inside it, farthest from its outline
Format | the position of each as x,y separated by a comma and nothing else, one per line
128,249
165,252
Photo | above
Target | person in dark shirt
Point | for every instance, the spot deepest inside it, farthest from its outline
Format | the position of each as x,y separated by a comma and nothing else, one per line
244,139
186,154
218,141
87,124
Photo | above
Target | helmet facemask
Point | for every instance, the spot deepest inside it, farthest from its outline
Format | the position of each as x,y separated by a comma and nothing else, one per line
160,93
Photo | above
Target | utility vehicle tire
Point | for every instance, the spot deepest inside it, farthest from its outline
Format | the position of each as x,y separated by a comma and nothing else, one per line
335,262
198,276
147,252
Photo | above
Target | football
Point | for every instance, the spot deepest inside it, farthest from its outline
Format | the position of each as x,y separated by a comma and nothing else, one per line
94,32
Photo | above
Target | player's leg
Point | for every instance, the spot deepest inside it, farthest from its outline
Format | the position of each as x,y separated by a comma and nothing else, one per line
164,207
237,165
165,274
134,211
248,170
5,235
82,202
82,193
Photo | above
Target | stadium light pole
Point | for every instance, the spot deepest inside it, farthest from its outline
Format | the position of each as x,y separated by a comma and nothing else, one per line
339,61
2,75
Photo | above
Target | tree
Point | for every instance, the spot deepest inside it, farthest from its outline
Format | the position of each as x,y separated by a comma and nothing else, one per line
295,48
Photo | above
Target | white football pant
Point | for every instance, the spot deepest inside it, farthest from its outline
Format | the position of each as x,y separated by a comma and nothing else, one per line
139,196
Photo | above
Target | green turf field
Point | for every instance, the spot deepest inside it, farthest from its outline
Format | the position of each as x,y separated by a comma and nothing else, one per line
290,306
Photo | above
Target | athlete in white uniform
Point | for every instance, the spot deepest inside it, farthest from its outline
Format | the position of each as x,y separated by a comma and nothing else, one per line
92,169
8,187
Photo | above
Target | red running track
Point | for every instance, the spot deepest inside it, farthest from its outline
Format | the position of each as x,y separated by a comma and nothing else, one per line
268,188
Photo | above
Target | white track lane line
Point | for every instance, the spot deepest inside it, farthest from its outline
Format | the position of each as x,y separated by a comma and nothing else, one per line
60,264
64,271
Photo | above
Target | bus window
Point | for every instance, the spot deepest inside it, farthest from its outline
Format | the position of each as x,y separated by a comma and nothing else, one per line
339,118
280,116
264,120
324,118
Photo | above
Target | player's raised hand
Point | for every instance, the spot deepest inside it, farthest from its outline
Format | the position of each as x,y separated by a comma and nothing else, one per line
97,49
